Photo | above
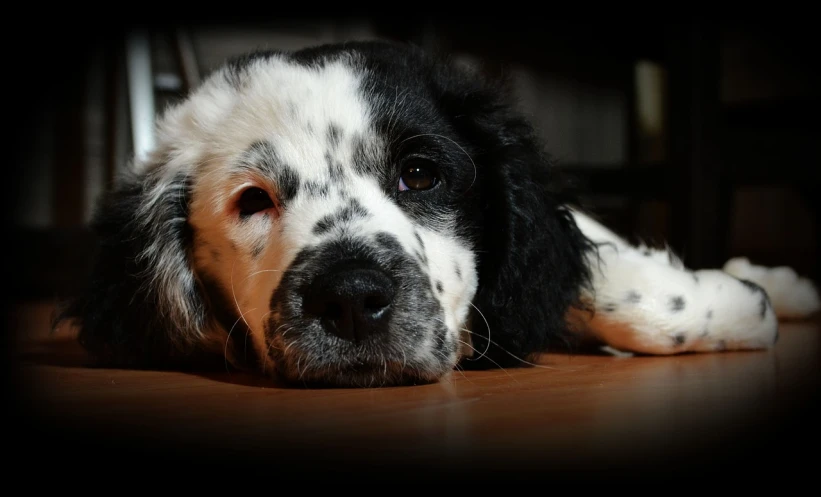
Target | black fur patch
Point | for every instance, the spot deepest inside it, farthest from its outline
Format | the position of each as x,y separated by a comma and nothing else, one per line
354,210
439,287
677,303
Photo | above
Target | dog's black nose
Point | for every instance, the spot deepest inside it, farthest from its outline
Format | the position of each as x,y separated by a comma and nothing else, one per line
351,302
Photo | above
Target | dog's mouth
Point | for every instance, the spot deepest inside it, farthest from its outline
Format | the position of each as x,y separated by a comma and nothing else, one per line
304,351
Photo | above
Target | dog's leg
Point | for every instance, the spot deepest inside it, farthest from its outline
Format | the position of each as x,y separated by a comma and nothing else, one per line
645,300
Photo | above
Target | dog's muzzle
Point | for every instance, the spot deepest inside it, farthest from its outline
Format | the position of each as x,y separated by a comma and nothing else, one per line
358,311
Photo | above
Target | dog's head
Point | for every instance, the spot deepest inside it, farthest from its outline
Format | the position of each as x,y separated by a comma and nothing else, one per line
353,214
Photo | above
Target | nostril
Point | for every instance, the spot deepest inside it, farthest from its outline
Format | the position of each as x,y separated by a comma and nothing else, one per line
375,303
333,310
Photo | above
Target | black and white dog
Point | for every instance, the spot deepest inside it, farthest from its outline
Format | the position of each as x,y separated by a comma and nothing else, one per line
363,215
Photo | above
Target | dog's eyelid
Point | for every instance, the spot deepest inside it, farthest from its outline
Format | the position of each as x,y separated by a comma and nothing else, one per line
252,199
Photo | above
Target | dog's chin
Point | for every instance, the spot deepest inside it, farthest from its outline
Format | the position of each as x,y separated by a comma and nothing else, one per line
303,371
366,376
360,376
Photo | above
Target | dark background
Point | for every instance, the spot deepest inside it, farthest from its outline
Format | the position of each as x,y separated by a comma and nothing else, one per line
703,135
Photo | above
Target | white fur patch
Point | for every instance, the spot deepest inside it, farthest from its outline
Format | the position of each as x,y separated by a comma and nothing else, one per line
648,303
792,296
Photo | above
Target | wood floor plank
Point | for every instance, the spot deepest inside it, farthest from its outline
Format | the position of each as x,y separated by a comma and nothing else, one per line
571,411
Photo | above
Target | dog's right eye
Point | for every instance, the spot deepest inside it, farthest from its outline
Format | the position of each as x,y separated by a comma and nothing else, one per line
254,200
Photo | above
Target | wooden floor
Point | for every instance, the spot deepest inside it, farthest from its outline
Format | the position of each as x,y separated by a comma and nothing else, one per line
572,415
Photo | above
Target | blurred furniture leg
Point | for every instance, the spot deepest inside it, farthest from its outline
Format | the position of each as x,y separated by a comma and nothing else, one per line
701,211
140,92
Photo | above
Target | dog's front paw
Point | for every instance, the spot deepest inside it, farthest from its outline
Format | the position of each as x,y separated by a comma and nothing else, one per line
792,296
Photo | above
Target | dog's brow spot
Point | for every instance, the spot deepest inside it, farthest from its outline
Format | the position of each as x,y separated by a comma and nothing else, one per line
677,303
633,297
679,338
439,287
287,182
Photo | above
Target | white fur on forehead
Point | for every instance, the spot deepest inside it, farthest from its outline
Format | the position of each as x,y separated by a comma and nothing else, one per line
277,100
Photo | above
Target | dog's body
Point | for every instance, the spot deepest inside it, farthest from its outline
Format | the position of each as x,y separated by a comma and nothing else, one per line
361,215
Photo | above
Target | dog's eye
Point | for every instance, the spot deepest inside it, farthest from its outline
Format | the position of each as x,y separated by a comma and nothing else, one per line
418,174
254,200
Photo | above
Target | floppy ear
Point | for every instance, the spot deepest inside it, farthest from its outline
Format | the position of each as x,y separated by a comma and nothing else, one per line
533,256
142,306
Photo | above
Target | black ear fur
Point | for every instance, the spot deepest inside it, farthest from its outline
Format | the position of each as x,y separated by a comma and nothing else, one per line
532,255
141,306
